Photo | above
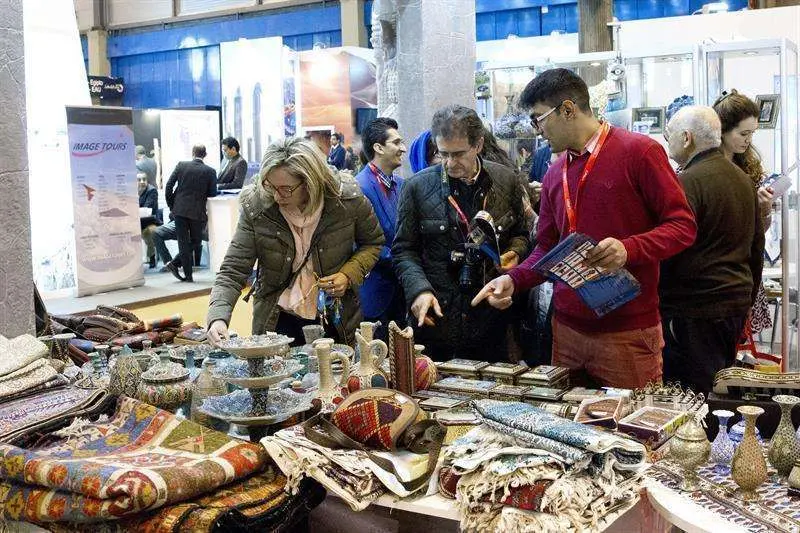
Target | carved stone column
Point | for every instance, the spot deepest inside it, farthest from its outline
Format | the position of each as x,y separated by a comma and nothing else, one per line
426,59
16,273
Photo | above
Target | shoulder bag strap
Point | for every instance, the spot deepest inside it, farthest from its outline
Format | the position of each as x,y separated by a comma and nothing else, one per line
426,435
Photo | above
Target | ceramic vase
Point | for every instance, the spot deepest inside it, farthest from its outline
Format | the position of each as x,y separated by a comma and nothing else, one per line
749,468
368,372
126,374
784,449
207,385
723,447
425,373
794,476
690,449
331,391
166,385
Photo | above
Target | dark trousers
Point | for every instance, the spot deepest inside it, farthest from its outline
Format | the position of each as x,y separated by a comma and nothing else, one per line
166,232
695,349
190,236
292,326
395,312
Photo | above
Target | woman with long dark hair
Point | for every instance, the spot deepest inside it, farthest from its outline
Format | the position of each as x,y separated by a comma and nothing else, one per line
739,117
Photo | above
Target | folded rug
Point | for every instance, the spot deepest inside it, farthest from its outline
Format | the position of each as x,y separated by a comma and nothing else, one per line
32,375
20,352
146,458
346,473
24,414
56,381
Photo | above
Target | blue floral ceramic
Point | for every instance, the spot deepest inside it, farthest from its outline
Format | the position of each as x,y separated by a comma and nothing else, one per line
723,447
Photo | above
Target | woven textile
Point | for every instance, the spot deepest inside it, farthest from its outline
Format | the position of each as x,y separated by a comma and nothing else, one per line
575,442
774,511
369,421
491,470
22,414
147,458
20,352
32,375
57,381
253,497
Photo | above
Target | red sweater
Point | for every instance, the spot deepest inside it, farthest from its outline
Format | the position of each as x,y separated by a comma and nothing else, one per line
631,194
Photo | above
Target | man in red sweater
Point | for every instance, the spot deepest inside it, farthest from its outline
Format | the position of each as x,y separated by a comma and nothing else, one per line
618,188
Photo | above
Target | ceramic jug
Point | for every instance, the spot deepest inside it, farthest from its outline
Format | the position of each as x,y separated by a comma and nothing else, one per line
126,374
425,373
749,468
690,449
784,449
368,372
331,391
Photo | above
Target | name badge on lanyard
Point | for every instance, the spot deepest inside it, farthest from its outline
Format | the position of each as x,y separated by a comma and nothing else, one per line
572,216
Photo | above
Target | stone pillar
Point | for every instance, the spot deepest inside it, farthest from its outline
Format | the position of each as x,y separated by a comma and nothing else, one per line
16,271
98,53
354,33
434,59
594,35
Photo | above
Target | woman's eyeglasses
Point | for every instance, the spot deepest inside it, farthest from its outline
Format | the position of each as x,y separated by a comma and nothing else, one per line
285,191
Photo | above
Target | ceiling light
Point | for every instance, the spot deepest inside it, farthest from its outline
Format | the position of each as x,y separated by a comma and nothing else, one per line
595,63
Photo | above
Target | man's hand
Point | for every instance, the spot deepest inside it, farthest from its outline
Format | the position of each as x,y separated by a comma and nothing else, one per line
335,284
497,293
420,307
609,254
508,261
217,332
534,191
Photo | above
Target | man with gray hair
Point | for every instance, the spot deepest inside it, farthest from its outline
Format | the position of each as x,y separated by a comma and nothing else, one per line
440,274
708,289
146,164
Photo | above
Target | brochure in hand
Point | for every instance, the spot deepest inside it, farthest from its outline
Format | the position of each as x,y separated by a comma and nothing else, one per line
600,289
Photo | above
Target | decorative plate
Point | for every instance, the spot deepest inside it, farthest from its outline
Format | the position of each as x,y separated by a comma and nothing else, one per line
165,372
236,407
237,372
257,346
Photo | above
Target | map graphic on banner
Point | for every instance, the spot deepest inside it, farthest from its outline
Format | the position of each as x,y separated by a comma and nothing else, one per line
108,242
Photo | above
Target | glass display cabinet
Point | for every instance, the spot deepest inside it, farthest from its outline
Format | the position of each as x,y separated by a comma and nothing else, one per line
766,71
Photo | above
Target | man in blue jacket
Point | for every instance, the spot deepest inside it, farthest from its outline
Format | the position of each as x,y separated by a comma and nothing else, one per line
338,155
381,295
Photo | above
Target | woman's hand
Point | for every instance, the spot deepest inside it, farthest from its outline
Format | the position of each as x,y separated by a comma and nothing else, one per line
335,284
217,332
765,198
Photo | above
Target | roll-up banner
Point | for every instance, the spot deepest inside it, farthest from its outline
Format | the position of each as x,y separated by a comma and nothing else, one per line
108,242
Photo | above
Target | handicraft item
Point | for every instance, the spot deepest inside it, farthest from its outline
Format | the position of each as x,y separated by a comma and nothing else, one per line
473,387
723,447
652,424
126,374
465,368
425,373
401,358
749,468
166,385
784,449
506,373
331,392
368,372
690,449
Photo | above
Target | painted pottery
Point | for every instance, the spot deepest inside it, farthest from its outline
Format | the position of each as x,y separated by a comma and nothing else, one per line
331,392
723,447
126,374
690,449
749,468
784,448
372,352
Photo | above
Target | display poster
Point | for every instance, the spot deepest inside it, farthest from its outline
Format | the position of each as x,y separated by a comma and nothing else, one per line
55,76
182,129
108,241
253,105
291,92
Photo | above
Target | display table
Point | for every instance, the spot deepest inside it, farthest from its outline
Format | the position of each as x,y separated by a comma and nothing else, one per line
223,215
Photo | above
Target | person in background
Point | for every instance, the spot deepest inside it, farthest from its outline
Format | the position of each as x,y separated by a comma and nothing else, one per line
352,161
148,197
493,152
310,230
381,294
436,209
146,164
525,155
234,168
188,189
337,155
739,117
542,159
618,188
707,290
166,232
423,153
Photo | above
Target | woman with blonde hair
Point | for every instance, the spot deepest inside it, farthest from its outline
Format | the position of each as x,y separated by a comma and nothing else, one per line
312,232
739,117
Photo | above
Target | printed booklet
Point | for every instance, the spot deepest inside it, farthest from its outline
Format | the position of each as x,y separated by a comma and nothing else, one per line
600,289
